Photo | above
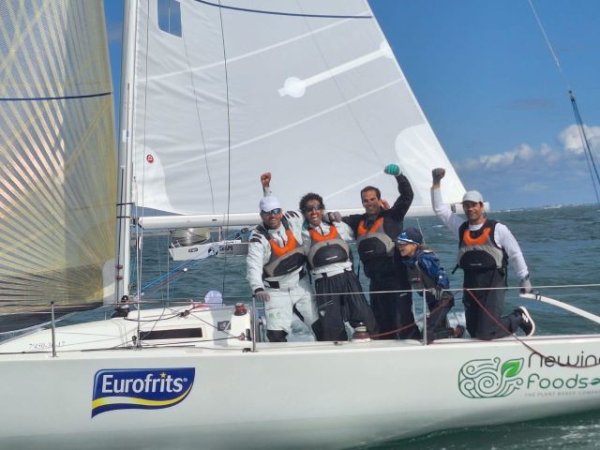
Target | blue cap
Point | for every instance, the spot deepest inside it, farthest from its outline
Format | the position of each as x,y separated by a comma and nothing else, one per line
410,235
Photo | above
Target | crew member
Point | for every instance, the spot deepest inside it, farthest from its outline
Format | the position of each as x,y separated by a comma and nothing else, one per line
338,291
276,273
375,232
485,249
426,274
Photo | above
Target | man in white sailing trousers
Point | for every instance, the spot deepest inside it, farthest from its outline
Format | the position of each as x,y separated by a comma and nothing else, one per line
485,249
276,273
339,294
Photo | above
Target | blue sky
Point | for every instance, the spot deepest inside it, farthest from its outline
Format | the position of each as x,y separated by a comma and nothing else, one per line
491,90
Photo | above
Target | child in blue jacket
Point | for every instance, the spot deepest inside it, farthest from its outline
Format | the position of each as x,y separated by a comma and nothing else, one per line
425,273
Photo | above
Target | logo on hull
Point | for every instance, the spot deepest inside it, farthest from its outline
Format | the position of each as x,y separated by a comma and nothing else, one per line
140,388
487,378
540,375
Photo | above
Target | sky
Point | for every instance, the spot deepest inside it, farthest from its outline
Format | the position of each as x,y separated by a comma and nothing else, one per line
491,89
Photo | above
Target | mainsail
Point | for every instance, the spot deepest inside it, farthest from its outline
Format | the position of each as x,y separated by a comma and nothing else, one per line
309,90
57,155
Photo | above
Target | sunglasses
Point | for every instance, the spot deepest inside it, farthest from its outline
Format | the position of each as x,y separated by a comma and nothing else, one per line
309,209
273,212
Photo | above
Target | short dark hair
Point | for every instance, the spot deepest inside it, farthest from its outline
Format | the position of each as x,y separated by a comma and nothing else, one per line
308,197
370,188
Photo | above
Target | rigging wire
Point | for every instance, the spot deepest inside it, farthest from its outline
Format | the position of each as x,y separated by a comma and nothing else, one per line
592,166
177,271
227,102
197,102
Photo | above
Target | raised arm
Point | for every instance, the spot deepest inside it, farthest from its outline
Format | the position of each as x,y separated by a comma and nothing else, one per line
265,181
404,200
441,209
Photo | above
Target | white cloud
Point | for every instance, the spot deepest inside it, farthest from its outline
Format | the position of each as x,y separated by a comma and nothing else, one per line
518,155
534,175
526,155
570,138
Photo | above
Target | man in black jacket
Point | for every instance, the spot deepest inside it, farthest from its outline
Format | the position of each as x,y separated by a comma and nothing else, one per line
375,232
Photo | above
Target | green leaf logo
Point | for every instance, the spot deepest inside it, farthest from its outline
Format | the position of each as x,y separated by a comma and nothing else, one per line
511,368
490,378
595,381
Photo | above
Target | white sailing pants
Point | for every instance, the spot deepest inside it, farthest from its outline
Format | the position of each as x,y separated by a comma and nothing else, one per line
279,310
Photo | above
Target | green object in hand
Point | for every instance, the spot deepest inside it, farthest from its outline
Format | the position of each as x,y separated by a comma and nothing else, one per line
392,169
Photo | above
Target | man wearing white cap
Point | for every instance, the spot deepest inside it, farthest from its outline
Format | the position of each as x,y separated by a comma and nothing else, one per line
485,249
339,294
275,270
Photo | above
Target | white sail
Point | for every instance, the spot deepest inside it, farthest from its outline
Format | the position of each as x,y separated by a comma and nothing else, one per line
57,155
309,90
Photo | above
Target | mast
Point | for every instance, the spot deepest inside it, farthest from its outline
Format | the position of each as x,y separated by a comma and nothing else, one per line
125,198
592,166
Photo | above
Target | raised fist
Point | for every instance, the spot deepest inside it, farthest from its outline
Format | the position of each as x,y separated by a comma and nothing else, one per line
438,174
265,179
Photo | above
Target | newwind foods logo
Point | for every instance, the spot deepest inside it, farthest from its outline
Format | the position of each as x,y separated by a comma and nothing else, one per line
493,378
140,388
488,378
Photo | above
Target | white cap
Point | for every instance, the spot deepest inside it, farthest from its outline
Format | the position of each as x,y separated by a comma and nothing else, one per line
213,298
472,196
269,203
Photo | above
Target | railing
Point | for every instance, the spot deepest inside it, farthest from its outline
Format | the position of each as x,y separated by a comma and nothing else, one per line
555,316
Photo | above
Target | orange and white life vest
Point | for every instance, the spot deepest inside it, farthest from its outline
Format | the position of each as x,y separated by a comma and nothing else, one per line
284,259
372,242
327,248
477,249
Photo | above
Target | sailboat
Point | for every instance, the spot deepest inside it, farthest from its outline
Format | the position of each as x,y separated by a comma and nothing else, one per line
199,243
213,94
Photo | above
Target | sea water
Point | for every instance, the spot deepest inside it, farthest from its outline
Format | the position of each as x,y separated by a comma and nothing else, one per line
562,248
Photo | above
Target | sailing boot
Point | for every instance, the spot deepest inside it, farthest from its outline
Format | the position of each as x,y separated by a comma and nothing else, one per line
276,336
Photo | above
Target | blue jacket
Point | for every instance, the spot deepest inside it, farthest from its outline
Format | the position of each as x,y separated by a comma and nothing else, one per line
428,264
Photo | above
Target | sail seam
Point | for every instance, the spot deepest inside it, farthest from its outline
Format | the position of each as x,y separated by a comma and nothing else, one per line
281,13
251,53
52,98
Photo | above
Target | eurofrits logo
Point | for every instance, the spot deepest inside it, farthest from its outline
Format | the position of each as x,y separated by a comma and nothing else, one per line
140,388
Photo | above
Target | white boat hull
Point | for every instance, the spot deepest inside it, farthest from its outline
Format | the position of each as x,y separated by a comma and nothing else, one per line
298,395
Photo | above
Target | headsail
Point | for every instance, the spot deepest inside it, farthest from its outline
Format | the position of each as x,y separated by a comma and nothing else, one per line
309,90
57,155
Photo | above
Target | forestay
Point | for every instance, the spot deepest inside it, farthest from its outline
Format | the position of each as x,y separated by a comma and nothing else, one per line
309,90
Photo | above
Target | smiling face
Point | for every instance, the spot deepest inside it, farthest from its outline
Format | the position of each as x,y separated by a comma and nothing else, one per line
474,212
371,202
272,219
313,211
406,249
